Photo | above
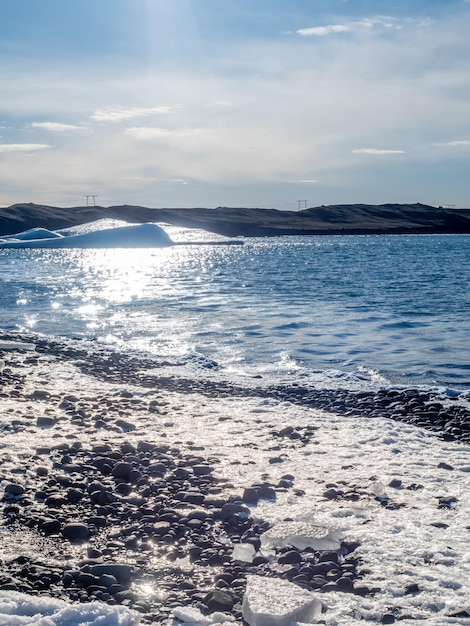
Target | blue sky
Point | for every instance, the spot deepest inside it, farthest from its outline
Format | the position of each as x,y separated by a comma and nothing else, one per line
235,102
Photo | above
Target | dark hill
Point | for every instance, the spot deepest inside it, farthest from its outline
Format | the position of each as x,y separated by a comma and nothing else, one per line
251,222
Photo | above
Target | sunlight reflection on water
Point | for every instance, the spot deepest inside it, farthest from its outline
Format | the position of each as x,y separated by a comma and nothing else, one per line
396,306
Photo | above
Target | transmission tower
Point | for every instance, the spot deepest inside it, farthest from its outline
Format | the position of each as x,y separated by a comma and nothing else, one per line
301,204
90,199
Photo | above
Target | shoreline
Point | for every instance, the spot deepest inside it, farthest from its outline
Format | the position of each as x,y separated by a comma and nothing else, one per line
164,478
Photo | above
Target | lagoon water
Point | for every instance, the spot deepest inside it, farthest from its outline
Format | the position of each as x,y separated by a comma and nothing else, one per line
347,311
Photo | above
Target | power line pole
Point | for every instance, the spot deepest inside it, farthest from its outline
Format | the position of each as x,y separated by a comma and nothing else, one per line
301,204
90,199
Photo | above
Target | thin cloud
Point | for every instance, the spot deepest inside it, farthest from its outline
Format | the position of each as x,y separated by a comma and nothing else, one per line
305,181
55,127
145,132
121,114
460,142
150,132
377,151
321,31
23,147
365,24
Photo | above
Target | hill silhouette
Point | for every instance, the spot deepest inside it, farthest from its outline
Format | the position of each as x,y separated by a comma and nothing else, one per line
341,219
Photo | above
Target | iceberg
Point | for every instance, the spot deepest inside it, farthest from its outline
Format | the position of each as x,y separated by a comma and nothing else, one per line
132,236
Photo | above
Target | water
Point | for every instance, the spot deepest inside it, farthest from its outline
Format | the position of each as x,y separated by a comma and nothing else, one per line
339,311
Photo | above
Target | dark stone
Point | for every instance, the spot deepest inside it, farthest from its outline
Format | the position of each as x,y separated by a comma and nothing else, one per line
250,495
122,470
121,572
290,557
459,613
49,526
345,584
219,600
13,490
445,466
76,532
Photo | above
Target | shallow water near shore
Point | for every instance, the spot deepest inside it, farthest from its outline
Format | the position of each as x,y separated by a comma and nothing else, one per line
358,312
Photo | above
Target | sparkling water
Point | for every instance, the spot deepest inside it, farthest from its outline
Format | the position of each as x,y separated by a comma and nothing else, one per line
336,311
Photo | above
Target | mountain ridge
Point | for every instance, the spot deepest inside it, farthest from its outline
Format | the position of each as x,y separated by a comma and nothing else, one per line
342,219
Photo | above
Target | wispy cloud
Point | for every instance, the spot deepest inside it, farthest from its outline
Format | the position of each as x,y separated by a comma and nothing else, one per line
23,147
459,142
365,24
321,31
121,114
305,181
149,132
377,151
55,127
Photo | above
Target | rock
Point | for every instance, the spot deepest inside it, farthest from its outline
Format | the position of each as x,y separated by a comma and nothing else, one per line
459,613
290,557
120,571
49,526
76,532
250,495
276,602
202,470
219,600
445,466
122,470
45,421
13,490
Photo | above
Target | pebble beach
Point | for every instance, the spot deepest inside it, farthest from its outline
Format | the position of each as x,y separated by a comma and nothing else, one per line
167,500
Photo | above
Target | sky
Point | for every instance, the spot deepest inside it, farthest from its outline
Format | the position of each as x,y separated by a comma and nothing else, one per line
261,103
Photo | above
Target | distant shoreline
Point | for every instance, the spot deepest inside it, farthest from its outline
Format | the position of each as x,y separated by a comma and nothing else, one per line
350,219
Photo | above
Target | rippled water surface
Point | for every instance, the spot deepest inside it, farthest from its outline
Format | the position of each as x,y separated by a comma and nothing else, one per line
394,309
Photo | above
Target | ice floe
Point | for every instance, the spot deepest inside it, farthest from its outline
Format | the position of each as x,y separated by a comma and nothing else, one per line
301,535
275,602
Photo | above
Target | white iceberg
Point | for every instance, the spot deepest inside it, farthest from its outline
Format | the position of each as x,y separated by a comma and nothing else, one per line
133,236
276,602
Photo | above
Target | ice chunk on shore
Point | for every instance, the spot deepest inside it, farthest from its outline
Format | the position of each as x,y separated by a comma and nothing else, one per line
19,609
243,552
301,535
189,615
276,602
